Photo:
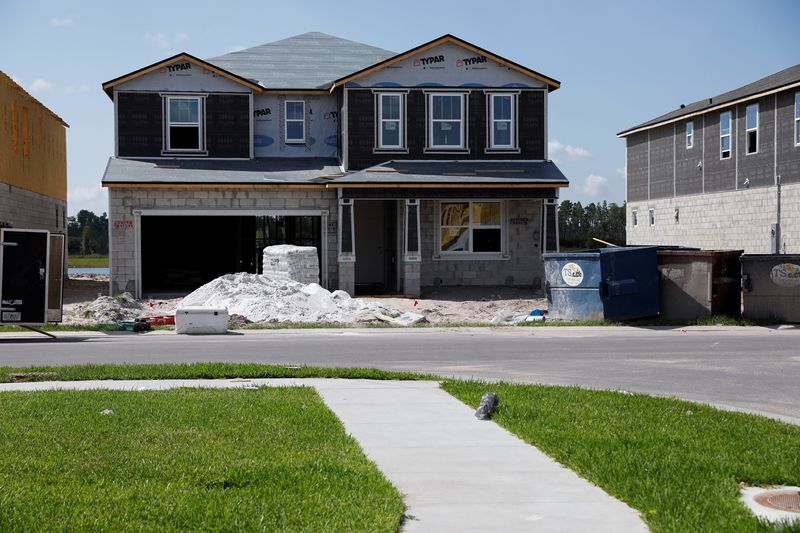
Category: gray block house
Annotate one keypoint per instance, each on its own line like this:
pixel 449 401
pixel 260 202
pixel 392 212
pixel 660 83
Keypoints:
pixel 405 170
pixel 720 173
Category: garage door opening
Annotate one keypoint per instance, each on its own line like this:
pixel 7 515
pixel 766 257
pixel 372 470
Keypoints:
pixel 181 253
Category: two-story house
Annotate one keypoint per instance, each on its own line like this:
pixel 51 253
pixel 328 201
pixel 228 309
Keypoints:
pixel 720 173
pixel 423 168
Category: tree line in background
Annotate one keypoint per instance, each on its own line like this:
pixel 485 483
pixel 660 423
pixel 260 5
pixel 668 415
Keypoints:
pixel 578 224
pixel 87 234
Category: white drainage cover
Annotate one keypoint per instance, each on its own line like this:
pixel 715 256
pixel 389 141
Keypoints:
pixel 775 504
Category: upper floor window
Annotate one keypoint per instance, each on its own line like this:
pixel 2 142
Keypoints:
pixel 751 127
pixel 390 121
pixel 446 121
pixel 797 119
pixel 689 134
pixel 184 124
pixel 725 135
pixel 295 120
pixel 501 121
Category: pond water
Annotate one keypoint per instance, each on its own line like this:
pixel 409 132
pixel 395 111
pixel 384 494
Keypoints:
pixel 86 271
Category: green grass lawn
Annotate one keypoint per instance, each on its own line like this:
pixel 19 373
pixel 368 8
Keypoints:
pixel 679 463
pixel 185 459
pixel 193 371
pixel 87 261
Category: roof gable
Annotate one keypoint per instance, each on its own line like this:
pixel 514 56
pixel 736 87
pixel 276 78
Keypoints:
pixel 307 61
pixel 418 57
pixel 176 64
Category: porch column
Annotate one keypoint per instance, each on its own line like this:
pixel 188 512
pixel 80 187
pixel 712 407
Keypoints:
pixel 412 250
pixel 347 247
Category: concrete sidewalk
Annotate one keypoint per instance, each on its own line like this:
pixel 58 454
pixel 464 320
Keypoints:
pixel 456 473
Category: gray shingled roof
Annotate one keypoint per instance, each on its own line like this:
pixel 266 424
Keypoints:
pixel 298 170
pixel 773 81
pixel 307 61
pixel 458 172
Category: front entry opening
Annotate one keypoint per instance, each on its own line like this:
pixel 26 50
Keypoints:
pixel 181 253
pixel 376 246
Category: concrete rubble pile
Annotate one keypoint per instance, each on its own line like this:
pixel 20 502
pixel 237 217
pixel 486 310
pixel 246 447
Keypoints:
pixel 271 298
pixel 106 309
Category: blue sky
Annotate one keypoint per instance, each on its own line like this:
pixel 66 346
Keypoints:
pixel 620 63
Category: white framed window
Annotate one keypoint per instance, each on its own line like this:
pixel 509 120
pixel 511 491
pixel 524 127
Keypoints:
pixel 725 135
pixel 391 128
pixel 502 121
pixel 295 121
pixel 635 217
pixel 690 134
pixel 652 213
pixel 446 121
pixel 184 128
pixel 751 128
pixel 470 227
pixel 797 119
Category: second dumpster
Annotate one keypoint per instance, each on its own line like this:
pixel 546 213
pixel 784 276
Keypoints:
pixel 606 284
pixel 699 283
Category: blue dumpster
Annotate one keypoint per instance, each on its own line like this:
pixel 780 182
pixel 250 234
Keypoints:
pixel 606 284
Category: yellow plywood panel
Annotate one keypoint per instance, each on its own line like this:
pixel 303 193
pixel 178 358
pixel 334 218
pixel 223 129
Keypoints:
pixel 33 143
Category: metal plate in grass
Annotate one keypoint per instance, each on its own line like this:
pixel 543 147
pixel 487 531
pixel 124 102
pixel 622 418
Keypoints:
pixel 776 504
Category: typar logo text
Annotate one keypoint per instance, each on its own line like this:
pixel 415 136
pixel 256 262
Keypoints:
pixel 572 274
pixel 428 61
pixel 470 61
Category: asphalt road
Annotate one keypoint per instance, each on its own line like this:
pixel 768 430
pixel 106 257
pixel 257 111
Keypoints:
pixel 751 369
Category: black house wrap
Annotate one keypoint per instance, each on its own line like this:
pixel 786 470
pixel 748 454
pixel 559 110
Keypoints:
pixel 362 152
pixel 140 124
pixel 228 125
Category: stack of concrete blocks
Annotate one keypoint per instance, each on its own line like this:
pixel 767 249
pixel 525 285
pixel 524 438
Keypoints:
pixel 299 263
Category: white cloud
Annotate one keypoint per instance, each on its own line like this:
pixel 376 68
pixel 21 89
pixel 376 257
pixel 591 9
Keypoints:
pixel 163 40
pixel 91 197
pixel 594 185
pixel 555 149
pixel 623 171
pixel 41 86
pixel 72 89
pixel 63 21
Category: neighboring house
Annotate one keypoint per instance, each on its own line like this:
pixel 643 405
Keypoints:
pixel 423 168
pixel 721 173
pixel 33 162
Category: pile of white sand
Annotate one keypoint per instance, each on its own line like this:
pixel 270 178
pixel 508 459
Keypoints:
pixel 278 299
pixel 105 309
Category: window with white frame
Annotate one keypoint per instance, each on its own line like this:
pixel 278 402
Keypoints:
pixel 502 121
pixel 446 121
pixel 295 119
pixel 751 128
pixel 689 134
pixel 184 124
pixel 725 135
pixel 471 227
pixel 391 133
pixel 797 119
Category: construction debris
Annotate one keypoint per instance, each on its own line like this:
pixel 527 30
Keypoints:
pixel 260 298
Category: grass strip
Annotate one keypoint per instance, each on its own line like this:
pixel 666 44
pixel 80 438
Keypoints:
pixel 183 460
pixel 679 463
pixel 87 261
pixel 193 371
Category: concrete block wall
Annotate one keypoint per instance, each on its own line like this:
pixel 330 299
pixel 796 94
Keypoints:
pixel 123 201
pixel 521 264
pixel 24 209
pixel 724 220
